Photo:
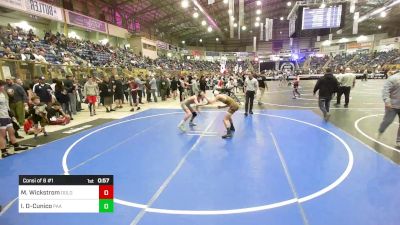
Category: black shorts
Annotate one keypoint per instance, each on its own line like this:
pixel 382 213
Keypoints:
pixel 119 96
pixel 5 123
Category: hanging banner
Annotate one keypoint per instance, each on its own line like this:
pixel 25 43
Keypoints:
pixel 36 8
pixel 355 23
pixel 162 45
pixel 86 22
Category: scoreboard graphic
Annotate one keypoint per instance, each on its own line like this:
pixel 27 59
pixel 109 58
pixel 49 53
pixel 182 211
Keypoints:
pixel 66 193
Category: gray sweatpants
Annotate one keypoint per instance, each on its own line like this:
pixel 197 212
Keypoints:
pixel 390 114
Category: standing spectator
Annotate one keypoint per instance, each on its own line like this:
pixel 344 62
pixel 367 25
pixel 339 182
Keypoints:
pixel 17 99
pixel 70 87
pixel 203 84
pixel 91 91
pixel 251 86
pixel 163 87
pixel 153 86
pixel 195 86
pixel 391 98
pixel 262 84
pixel 63 98
pixel 139 82
pixel 107 91
pixel 119 92
pixel 296 83
pixel 78 94
pixel 326 85
pixel 346 82
pixel 174 87
pixel 182 87
pixel 6 126
pixel 43 91
pixel 134 87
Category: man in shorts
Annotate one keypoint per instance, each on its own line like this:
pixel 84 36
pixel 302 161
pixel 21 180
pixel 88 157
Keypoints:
pixel 6 126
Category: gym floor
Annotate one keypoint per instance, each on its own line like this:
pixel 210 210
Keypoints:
pixel 284 165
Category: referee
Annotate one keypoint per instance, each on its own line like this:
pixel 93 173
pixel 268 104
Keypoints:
pixel 250 87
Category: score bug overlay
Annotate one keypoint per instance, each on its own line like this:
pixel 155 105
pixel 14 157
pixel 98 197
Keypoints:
pixel 66 193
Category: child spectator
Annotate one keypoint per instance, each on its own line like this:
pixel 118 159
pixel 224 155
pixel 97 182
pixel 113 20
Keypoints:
pixel 38 114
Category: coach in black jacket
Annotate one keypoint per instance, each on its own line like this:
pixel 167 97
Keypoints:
pixel 327 85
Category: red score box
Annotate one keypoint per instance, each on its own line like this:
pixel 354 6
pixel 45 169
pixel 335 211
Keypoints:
pixel 106 192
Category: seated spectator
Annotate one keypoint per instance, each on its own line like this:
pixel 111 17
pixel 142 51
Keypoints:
pixel 38 114
pixel 56 115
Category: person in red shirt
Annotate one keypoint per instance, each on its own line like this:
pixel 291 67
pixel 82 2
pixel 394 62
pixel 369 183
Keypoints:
pixel 134 87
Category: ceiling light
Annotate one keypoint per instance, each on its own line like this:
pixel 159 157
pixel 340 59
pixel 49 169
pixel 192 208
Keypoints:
pixel 244 27
pixel 230 11
pixel 217 39
pixel 281 18
pixel 235 25
pixel 209 29
pixel 280 32
pixel 201 40
pixel 323 5
pixel 258 11
pixel 380 27
pixel 226 1
pixel 256 24
pixel 203 23
pixel 257 18
pixel 183 42
pixel 185 4
pixel 258 2
pixel 232 18
pixel 289 4
pixel 195 15
pixel 383 14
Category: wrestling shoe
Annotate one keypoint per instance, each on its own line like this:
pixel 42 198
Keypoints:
pixel 182 127
pixel 192 124
pixel 227 136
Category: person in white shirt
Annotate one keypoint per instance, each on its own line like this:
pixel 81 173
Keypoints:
pixel 250 88
pixel 346 81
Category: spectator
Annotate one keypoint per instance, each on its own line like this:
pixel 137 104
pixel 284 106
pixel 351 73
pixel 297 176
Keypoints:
pixel 38 114
pixel 43 91
pixel 153 87
pixel 17 99
pixel 119 92
pixel 391 98
pixel 56 116
pixel 62 97
pixel 326 85
pixel 107 91
pixel 91 91
pixel 71 90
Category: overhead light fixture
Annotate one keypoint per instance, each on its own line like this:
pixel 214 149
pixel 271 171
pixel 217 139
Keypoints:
pixel 235 25
pixel 230 11
pixel 244 27
pixel 257 18
pixel 209 29
pixel 195 15
pixel 256 24
pixel 232 18
pixel 258 11
pixel 203 23
pixel 201 40
pixel 280 32
pixel 258 2
pixel 380 27
pixel 185 4
pixel 323 5
pixel 217 39
pixel 226 1
pixel 383 14
pixel 289 4
pixel 281 18
pixel 183 42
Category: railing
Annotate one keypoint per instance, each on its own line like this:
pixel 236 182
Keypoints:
pixel 28 70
